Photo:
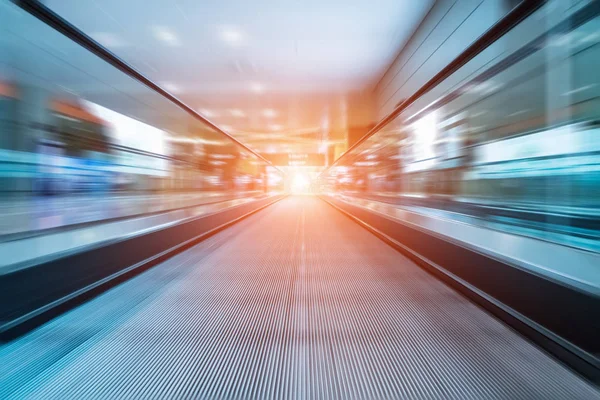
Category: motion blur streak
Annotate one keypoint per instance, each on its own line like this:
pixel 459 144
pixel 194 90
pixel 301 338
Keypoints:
pixel 288 313
pixel 512 138
pixel 60 148
pixel 300 199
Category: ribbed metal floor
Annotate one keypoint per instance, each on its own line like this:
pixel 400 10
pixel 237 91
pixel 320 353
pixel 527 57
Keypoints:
pixel 295 302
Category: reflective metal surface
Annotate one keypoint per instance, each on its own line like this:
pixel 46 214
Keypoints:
pixel 510 138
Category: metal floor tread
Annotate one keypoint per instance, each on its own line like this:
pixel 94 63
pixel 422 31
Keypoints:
pixel 296 301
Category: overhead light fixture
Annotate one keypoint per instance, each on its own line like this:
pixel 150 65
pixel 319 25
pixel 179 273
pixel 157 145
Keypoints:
pixel 257 87
pixel 207 113
pixel 166 36
pixel 171 87
pixel 108 39
pixel 237 113
pixel 231 35
pixel 269 113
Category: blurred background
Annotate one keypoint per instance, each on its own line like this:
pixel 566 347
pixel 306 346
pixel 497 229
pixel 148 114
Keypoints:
pixel 464 132
pixel 511 138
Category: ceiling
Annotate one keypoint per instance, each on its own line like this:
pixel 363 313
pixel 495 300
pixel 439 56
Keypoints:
pixel 280 75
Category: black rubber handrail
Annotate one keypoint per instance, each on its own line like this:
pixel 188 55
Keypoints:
pixel 55 21
pixel 499 29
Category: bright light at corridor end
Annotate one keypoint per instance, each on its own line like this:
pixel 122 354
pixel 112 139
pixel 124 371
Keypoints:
pixel 300 183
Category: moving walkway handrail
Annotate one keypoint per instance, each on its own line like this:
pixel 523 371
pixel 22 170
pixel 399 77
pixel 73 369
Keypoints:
pixel 52 19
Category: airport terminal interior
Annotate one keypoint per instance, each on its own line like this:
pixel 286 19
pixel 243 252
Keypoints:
pixel 300 199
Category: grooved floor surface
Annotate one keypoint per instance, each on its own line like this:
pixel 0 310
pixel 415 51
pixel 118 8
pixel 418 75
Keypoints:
pixel 296 301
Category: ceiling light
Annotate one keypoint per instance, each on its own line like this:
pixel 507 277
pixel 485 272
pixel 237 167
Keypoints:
pixel 171 87
pixel 269 113
pixel 165 35
pixel 231 35
pixel 108 39
pixel 237 113
pixel 257 87
pixel 207 113
pixel 275 127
